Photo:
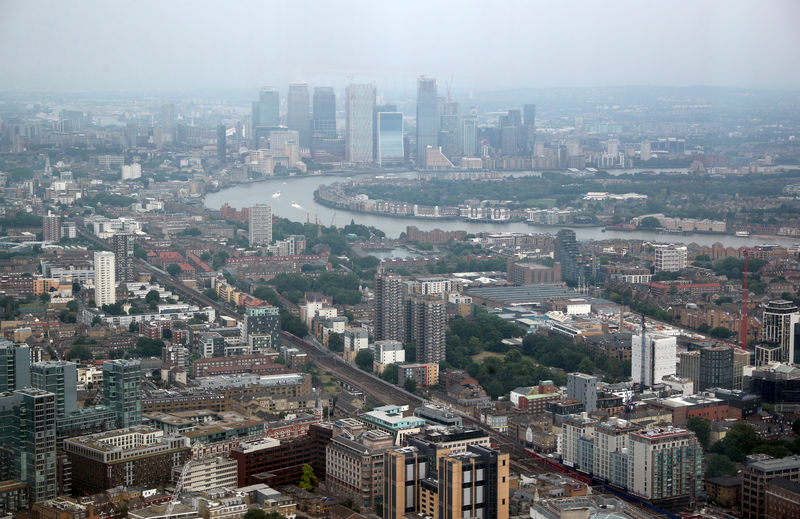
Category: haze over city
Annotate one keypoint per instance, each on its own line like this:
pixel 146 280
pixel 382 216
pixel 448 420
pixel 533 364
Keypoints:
pixel 149 45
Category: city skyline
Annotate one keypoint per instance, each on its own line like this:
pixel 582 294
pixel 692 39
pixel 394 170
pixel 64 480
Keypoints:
pixel 706 43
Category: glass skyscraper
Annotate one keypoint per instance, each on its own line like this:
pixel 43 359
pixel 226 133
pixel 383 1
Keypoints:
pixel 324 113
pixel 390 138
pixel 360 107
pixel 298 116
pixel 427 117
pixel 61 379
pixel 122 390
pixel 265 113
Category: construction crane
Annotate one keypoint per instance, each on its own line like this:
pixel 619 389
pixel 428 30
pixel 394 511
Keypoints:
pixel 178 487
pixel 333 218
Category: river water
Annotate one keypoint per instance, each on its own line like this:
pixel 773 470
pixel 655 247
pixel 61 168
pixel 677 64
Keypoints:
pixel 296 203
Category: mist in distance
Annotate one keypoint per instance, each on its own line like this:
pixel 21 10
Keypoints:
pixel 149 45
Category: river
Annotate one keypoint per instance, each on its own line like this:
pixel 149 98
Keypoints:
pixel 296 203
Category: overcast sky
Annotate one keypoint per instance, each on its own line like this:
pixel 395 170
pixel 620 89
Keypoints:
pixel 168 44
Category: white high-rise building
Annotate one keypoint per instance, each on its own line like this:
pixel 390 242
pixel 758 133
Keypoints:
pixel 359 132
pixel 655 361
pixel 780 320
pixel 105 278
pixel 132 172
pixel 644 151
pixel 670 258
pixel 260 225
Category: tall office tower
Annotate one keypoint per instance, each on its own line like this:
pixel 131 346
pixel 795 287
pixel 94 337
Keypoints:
pixel 222 146
pixel 389 137
pixel 778 328
pixel 122 390
pixel 262 327
pixel 584 388
pixel 34 425
pixel 529 126
pixel 15 366
pixel 123 244
pixel 51 228
pixel 298 117
pixel 469 135
pixel 716 368
pixel 265 114
pixel 358 136
pixel 566 253
pixel 105 279
pixel 426 321
pixel 670 258
pixel 324 112
pixel 654 361
pixel 644 151
pixel 450 136
pixel 260 224
pixel 389 314
pixel 427 117
pixel 61 379
pixel 666 466
pixel 378 109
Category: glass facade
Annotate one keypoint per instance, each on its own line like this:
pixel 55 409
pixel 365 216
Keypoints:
pixel 390 137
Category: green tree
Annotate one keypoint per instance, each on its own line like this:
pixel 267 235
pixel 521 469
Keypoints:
pixel 650 222
pixel 586 366
pixel 133 327
pixel 153 296
pixel 79 352
pixel 174 269
pixel 308 481
pixel 720 332
pixel 796 426
pixel 701 427
pixel 720 465
pixel 390 373
pixel 146 347
pixel 255 513
pixel 336 342
pixel 410 385
pixel 364 360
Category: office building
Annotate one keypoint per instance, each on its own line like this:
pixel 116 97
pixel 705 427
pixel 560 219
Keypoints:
pixel 654 360
pixel 132 456
pixel 324 119
pixel 105 278
pixel 665 467
pixel 670 258
pixel 469 135
pixel 222 146
pixel 260 224
pixel 386 353
pixel 265 114
pixel 779 327
pixel 690 366
pixel 15 366
pixel 298 116
pixel 123 245
pixel 426 321
pixel 51 228
pixel 450 135
pixel 389 138
pixel 262 327
pixel 422 374
pixel 122 390
pixel 584 388
pixel 388 108
pixel 354 465
pixel 355 340
pixel 427 117
pixel 360 103
pixel 529 127
pixel 759 470
pixel 61 379
pixel 716 368
pixel 782 499
pixel 389 314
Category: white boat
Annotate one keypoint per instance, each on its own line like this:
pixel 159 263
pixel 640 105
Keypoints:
pixel 276 194
pixel 742 234
pixel 296 205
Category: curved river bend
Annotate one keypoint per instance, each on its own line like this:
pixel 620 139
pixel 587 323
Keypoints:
pixel 296 202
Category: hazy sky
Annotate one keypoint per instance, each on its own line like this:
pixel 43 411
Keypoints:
pixel 168 44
